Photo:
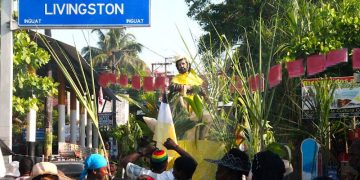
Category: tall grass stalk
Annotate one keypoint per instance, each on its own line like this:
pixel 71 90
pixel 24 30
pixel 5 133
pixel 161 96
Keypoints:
pixel 251 110
pixel 85 92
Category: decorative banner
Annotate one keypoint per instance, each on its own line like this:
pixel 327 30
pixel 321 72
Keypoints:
pixel 256 83
pixel 238 85
pixel 346 98
pixel 148 83
pixel 295 68
pixel 160 82
pixel 106 78
pixel 336 56
pixel 356 58
pixel 135 82
pixel 315 64
pixel 103 79
pixel 275 75
pixel 123 80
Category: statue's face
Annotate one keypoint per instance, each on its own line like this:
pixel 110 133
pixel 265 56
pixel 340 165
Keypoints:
pixel 182 66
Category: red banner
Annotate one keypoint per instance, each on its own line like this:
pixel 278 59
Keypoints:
pixel 336 57
pixel 256 83
pixel 149 83
pixel 237 85
pixel 123 80
pixel 295 68
pixel 160 82
pixel 135 82
pixel 275 75
pixel 315 64
pixel 356 58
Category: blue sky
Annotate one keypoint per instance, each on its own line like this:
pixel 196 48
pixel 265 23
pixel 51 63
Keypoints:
pixel 162 37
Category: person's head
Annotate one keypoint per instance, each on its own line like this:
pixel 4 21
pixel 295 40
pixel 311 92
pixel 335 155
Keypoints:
pixel 354 155
pixel 267 166
pixel 184 168
pixel 234 164
pixel 45 171
pixel 158 161
pixel 25 166
pixel 95 167
pixel 182 64
pixel 113 168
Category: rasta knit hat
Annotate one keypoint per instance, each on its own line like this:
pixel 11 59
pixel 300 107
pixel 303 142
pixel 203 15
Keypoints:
pixel 159 156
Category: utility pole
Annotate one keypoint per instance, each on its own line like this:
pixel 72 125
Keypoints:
pixel 165 64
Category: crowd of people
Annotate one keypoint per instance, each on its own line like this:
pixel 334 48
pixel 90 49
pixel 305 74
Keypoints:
pixel 234 165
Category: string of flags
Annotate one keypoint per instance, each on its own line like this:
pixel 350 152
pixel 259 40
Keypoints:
pixel 314 64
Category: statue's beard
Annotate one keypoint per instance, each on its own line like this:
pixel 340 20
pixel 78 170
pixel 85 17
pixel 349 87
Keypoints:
pixel 182 70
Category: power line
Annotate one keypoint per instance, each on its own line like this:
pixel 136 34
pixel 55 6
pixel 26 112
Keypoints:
pixel 153 51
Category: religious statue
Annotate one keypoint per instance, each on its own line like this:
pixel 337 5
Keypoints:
pixel 187 82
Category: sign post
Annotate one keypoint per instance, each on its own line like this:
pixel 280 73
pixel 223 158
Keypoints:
pixel 83 14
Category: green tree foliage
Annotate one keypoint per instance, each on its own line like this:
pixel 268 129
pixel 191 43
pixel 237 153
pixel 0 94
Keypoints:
pixel 117 50
pixel 232 18
pixel 304 27
pixel 28 87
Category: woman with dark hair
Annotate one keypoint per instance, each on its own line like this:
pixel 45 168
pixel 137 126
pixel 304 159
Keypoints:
pixel 267 165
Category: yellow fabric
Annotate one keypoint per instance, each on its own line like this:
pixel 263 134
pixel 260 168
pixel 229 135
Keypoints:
pixel 162 132
pixel 189 78
pixel 200 150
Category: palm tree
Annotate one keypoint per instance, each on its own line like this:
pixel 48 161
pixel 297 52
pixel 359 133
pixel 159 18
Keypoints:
pixel 115 49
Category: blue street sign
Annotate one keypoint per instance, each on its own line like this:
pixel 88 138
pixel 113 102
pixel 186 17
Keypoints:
pixel 40 135
pixel 83 14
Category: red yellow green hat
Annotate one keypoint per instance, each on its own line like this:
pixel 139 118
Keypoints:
pixel 159 156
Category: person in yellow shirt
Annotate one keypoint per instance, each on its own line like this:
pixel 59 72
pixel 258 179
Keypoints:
pixel 187 82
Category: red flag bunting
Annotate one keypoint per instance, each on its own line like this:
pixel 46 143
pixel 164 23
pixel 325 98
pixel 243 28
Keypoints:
pixel 148 83
pixel 160 82
pixel 315 64
pixel 356 58
pixel 275 75
pixel 123 80
pixel 237 85
pixel 256 83
pixel 336 56
pixel 135 82
pixel 102 80
pixel 295 68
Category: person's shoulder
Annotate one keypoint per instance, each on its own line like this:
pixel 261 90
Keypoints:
pixel 166 175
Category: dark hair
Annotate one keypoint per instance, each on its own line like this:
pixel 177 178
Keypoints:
pixel 25 166
pixel 188 64
pixel 186 166
pixel 267 166
pixel 158 166
pixel 53 177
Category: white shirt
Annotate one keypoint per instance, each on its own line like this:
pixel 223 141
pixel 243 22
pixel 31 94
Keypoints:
pixel 133 171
